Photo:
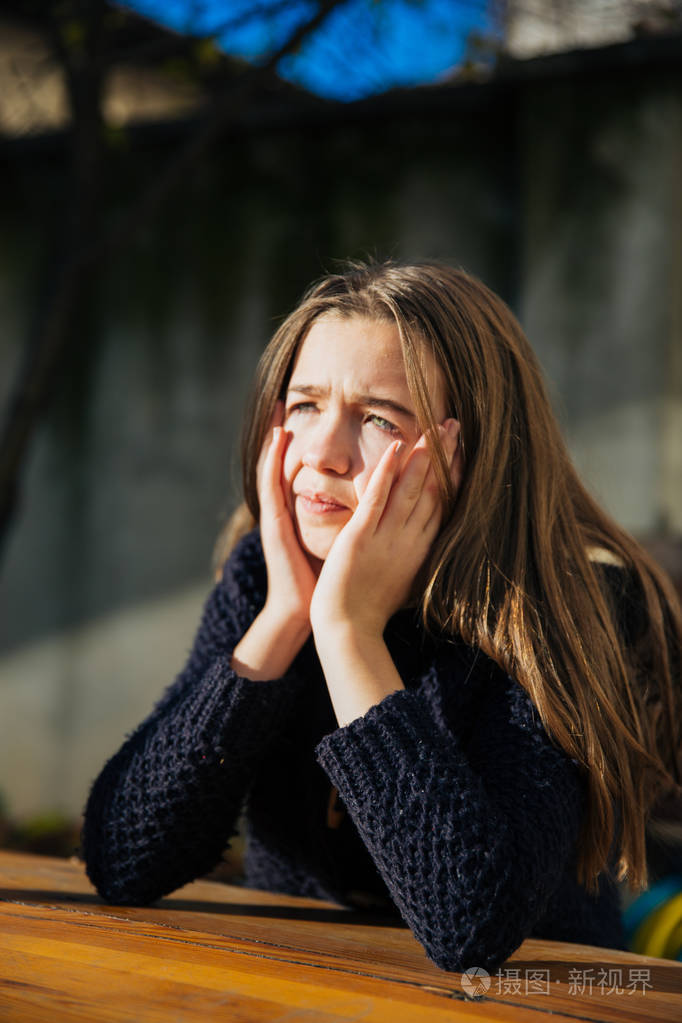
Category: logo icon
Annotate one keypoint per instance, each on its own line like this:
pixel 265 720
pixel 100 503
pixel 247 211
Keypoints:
pixel 475 981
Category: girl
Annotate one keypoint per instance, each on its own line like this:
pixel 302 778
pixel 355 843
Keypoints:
pixel 442 680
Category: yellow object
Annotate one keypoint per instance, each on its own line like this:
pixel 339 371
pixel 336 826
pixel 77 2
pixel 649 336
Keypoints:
pixel 673 945
pixel 656 930
pixel 641 936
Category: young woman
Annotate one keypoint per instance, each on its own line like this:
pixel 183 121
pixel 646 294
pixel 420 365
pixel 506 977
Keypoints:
pixel 440 679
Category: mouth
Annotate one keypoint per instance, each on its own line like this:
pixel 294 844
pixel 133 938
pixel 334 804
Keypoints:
pixel 320 504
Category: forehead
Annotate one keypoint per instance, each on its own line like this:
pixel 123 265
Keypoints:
pixel 365 356
pixel 368 345
pixel 353 345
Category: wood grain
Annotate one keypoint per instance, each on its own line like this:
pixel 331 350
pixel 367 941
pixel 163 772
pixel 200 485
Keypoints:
pixel 212 951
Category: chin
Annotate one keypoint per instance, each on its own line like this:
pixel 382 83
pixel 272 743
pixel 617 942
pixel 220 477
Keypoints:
pixel 317 542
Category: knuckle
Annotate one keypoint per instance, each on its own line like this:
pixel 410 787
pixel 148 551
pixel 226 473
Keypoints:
pixel 413 490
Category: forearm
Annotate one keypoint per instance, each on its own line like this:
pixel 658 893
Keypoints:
pixel 451 838
pixel 268 648
pixel 164 807
pixel 358 669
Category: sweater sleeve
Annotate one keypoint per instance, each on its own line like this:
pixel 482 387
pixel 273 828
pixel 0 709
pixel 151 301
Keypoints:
pixel 471 832
pixel 163 808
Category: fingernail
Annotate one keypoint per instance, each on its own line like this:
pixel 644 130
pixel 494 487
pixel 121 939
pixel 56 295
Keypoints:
pixel 398 450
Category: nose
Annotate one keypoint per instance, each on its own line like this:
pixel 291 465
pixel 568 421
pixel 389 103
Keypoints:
pixel 329 448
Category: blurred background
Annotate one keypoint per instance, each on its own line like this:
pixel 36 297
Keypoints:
pixel 173 175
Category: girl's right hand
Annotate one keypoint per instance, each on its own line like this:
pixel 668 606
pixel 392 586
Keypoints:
pixel 291 580
pixel 276 635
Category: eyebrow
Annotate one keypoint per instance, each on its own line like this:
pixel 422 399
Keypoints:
pixel 313 391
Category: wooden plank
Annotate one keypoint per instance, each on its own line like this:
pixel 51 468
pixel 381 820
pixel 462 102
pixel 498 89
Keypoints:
pixel 259 981
pixel 184 956
pixel 211 949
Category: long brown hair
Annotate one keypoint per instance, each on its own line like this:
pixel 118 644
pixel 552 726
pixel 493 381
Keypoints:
pixel 515 569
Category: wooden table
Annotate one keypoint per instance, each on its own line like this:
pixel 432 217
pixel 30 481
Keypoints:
pixel 214 952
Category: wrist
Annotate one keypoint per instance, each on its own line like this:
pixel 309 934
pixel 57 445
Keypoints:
pixel 346 634
pixel 358 669
pixel 364 617
pixel 283 621
pixel 267 649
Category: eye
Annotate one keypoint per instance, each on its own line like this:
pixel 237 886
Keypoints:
pixel 301 406
pixel 383 424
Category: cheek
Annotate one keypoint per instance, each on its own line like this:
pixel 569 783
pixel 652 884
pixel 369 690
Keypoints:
pixel 297 446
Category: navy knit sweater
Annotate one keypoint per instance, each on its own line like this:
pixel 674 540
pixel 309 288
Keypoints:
pixel 455 810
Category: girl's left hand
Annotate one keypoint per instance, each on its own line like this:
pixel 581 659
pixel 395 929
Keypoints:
pixel 371 566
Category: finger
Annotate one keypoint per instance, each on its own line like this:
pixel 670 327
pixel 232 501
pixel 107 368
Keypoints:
pixel 447 439
pixel 419 494
pixel 420 511
pixel 455 452
pixel 410 485
pixel 376 495
pixel 428 512
pixel 276 419
pixel 444 446
pixel 429 515
pixel 449 433
pixel 270 493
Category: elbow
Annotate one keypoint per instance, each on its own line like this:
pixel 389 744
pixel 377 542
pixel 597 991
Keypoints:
pixel 481 931
pixel 121 889
pixel 120 881
pixel 475 951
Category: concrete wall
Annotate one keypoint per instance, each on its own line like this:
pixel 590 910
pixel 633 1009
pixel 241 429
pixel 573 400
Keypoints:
pixel 602 273
pixel 564 199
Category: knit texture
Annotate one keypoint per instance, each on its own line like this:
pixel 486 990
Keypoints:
pixel 462 817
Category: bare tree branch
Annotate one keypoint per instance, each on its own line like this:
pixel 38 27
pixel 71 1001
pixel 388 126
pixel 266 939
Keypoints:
pixel 51 336
pixel 172 43
pixel 212 126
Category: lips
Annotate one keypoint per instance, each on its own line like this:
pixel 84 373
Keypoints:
pixel 320 503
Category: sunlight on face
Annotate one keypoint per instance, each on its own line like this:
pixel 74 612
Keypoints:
pixel 347 401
